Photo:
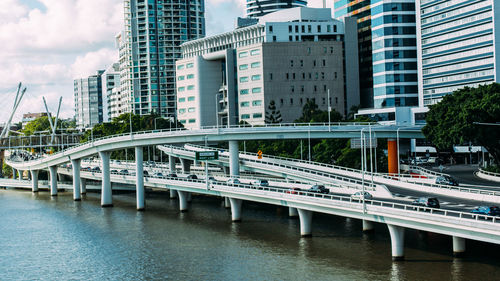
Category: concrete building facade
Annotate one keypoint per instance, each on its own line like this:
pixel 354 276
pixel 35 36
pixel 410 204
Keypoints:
pixel 110 80
pixel 290 57
pixel 88 101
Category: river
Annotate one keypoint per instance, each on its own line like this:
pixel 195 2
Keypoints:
pixel 56 238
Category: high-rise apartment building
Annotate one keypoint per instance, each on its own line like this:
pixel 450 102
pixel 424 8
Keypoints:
pixel 290 57
pixel 110 80
pixel 149 47
pixel 458 46
pixel 88 100
pixel 259 8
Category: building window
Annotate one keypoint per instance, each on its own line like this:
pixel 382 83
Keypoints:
pixel 255 52
pixel 182 99
pixel 292 88
pixel 189 65
pixel 191 98
pixel 331 50
pixel 244 79
pixel 281 101
pixel 182 110
pixel 319 28
pixel 324 88
pixel 322 75
pixel 303 75
pixel 243 66
pixel 181 89
pixel 308 50
pixel 336 100
pixel 243 54
pixel 302 88
pixel 180 66
pixel 290 38
pixel 291 101
pixel 244 92
pixel 270 76
pixel 245 104
pixel 255 77
pixel 291 63
pixel 290 28
pixel 296 38
pixel 335 73
pixel 324 100
pixel 314 63
pixel 324 62
pixel 256 90
pixel 287 76
pixel 316 76
pixel 182 121
pixel 257 115
pixel 301 101
pixel 192 121
pixel 301 63
pixel 256 102
pixel 190 87
pixel 255 64
pixel 245 116
pixel 274 38
pixel 303 28
pixel 270 29
pixel 315 88
pixel 296 29
pixel 190 76
pixel 334 28
pixel 180 78
pixel 293 76
pixel 328 29
pixel 191 109
pixel 309 28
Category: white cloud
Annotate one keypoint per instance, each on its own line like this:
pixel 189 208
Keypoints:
pixel 89 63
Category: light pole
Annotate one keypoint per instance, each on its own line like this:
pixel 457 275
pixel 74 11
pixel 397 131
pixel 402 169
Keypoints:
pixel 130 121
pixel 217 110
pixel 397 149
pixel 329 110
pixel 362 167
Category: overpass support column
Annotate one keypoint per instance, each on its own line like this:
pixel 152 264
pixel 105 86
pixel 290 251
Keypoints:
pixel 171 164
pixel 75 164
pixel 234 161
pixel 183 203
pixel 20 174
pixel 14 173
pixel 235 209
pixel 227 203
pixel 367 226
pixel 34 180
pixel 458 246
pixel 83 183
pixel 139 182
pixel 397 241
pixel 106 193
pixel 292 212
pixel 305 217
pixel 53 180
pixel 173 193
pixel 186 166
pixel 392 156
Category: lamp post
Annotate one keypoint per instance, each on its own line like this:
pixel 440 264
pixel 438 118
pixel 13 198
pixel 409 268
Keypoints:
pixel 361 139
pixel 397 148
pixel 329 110
pixel 217 110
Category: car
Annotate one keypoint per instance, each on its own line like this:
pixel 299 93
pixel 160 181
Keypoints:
pixel 86 169
pixel 124 172
pixel 158 175
pixel 260 182
pixel 114 171
pixel 446 180
pixel 171 175
pixel 431 202
pixel 233 181
pixel 96 169
pixel 145 173
pixel 212 179
pixel 487 210
pixel 151 163
pixel 294 190
pixel 359 196
pixel 319 189
pixel 192 177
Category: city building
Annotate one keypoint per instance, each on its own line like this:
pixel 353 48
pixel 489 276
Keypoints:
pixel 258 8
pixel 110 80
pixel 149 47
pixel 288 58
pixel 88 101
pixel 28 117
pixel 456 46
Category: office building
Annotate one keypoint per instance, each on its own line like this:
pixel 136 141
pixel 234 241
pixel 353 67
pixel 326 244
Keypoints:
pixel 456 46
pixel 88 100
pixel 110 80
pixel 289 57
pixel 258 8
pixel 149 47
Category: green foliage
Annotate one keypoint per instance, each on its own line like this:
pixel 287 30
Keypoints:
pixel 6 171
pixel 273 116
pixel 492 169
pixel 451 121
pixel 43 124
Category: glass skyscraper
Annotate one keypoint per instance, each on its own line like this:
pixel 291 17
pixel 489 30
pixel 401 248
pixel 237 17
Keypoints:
pixel 149 47
pixel 457 45
pixel 258 8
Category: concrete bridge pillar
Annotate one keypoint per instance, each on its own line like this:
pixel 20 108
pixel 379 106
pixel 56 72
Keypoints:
pixel 106 193
pixel 292 212
pixel 225 170
pixel 186 166
pixel 83 184
pixel 189 197
pixel 458 246
pixel 183 203
pixel 227 204
pixel 34 180
pixel 234 161
pixel 367 226
pixel 14 173
pixel 173 193
pixel 53 180
pixel 75 163
pixel 139 172
pixel 392 156
pixel 397 242
pixel 305 217
pixel 235 209
pixel 171 164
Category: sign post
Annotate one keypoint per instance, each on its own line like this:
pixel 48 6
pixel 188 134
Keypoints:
pixel 206 155
pixel 259 154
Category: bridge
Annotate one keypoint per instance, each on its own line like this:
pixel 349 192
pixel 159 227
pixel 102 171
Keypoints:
pixel 397 215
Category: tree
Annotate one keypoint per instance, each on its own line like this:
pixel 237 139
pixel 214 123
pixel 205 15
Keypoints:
pixel 273 116
pixel 452 121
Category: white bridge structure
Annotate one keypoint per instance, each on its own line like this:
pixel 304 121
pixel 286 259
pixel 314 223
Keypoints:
pixel 397 216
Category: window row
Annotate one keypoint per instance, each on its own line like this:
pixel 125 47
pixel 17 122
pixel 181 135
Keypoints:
pixel 188 65
pixel 317 75
pixel 181 77
pixel 183 99
pixel 252 65
pixel 190 121
pixel 182 89
pixel 183 110
pixel 254 91
pixel 247 103
pixel 252 53
pixel 255 116
pixel 253 77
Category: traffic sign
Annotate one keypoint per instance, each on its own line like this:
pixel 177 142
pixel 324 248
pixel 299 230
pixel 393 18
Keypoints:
pixel 259 154
pixel 207 155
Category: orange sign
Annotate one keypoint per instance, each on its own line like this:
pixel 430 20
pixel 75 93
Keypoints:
pixel 259 154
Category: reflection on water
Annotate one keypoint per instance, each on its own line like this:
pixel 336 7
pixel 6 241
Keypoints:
pixel 52 238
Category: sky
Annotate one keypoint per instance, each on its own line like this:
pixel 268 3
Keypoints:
pixel 46 44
